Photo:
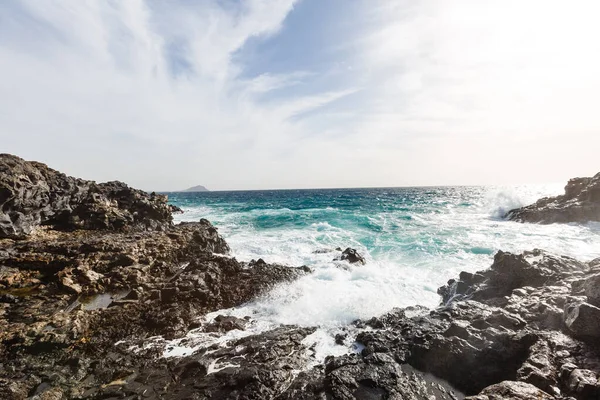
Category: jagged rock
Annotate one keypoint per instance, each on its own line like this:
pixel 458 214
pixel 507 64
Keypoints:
pixel 584 383
pixel 509 390
pixel 224 323
pixel 511 271
pixel 583 319
pixel 377 377
pixel 32 195
pixel 175 210
pixel 580 203
pixel 498 335
pixel 591 287
pixel 97 241
pixel 352 256
pixel 255 367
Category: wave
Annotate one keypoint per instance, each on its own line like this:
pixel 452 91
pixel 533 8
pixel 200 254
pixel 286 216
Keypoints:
pixel 414 240
pixel 499 201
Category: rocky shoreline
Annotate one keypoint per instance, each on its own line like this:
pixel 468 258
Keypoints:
pixel 579 204
pixel 91 274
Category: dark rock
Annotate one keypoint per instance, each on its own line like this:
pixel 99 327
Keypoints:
pixel 509 390
pixel 57 332
pixel 175 210
pixel 340 338
pixel 591 287
pixel 498 335
pixel 511 271
pixel 526 328
pixel 352 256
pixel 225 324
pixel 584 383
pixel 580 203
pixel 583 320
pixel 168 295
pixel 32 195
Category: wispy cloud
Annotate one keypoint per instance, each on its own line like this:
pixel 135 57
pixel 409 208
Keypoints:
pixel 162 95
pixel 489 90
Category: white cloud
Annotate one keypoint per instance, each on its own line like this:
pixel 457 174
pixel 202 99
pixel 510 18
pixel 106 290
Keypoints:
pixel 433 92
pixel 491 90
pixel 96 93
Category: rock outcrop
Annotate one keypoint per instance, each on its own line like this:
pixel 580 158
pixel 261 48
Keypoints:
pixel 580 203
pixel 33 195
pixel 509 332
pixel 87 270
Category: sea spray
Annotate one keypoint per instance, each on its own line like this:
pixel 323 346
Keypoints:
pixel 414 240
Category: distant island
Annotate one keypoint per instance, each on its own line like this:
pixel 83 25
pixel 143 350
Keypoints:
pixel 198 188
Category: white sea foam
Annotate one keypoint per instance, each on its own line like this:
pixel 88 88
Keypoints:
pixel 410 253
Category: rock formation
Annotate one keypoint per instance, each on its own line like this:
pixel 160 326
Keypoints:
pixel 580 203
pixel 352 256
pixel 33 195
pixel 84 266
pixel 503 333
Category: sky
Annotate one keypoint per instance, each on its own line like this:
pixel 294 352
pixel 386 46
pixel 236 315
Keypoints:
pixel 257 94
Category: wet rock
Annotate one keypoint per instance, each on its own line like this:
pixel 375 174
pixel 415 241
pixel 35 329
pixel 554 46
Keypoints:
pixel 378 377
pixel 109 274
pixel 352 256
pixel 224 323
pixel 175 210
pixel 258 366
pixel 340 338
pixel 497 335
pixel 580 203
pixel 509 271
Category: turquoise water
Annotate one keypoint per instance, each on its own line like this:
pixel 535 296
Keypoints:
pixel 414 240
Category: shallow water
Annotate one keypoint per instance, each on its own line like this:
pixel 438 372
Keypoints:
pixel 414 240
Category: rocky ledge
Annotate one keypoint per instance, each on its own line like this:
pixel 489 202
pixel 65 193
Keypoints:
pixel 580 203
pixel 86 266
pixel 86 310
pixel 526 328
pixel 33 195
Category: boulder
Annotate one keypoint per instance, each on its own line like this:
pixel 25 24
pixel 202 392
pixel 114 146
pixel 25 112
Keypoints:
pixel 583 320
pixel 352 256
pixel 591 287
pixel 584 383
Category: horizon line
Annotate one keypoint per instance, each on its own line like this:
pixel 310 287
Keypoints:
pixel 352 188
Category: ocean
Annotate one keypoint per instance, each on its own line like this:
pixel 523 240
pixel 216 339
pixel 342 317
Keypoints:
pixel 414 240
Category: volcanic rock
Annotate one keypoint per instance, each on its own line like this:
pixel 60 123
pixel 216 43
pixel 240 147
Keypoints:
pixel 352 256
pixel 32 195
pixel 580 203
